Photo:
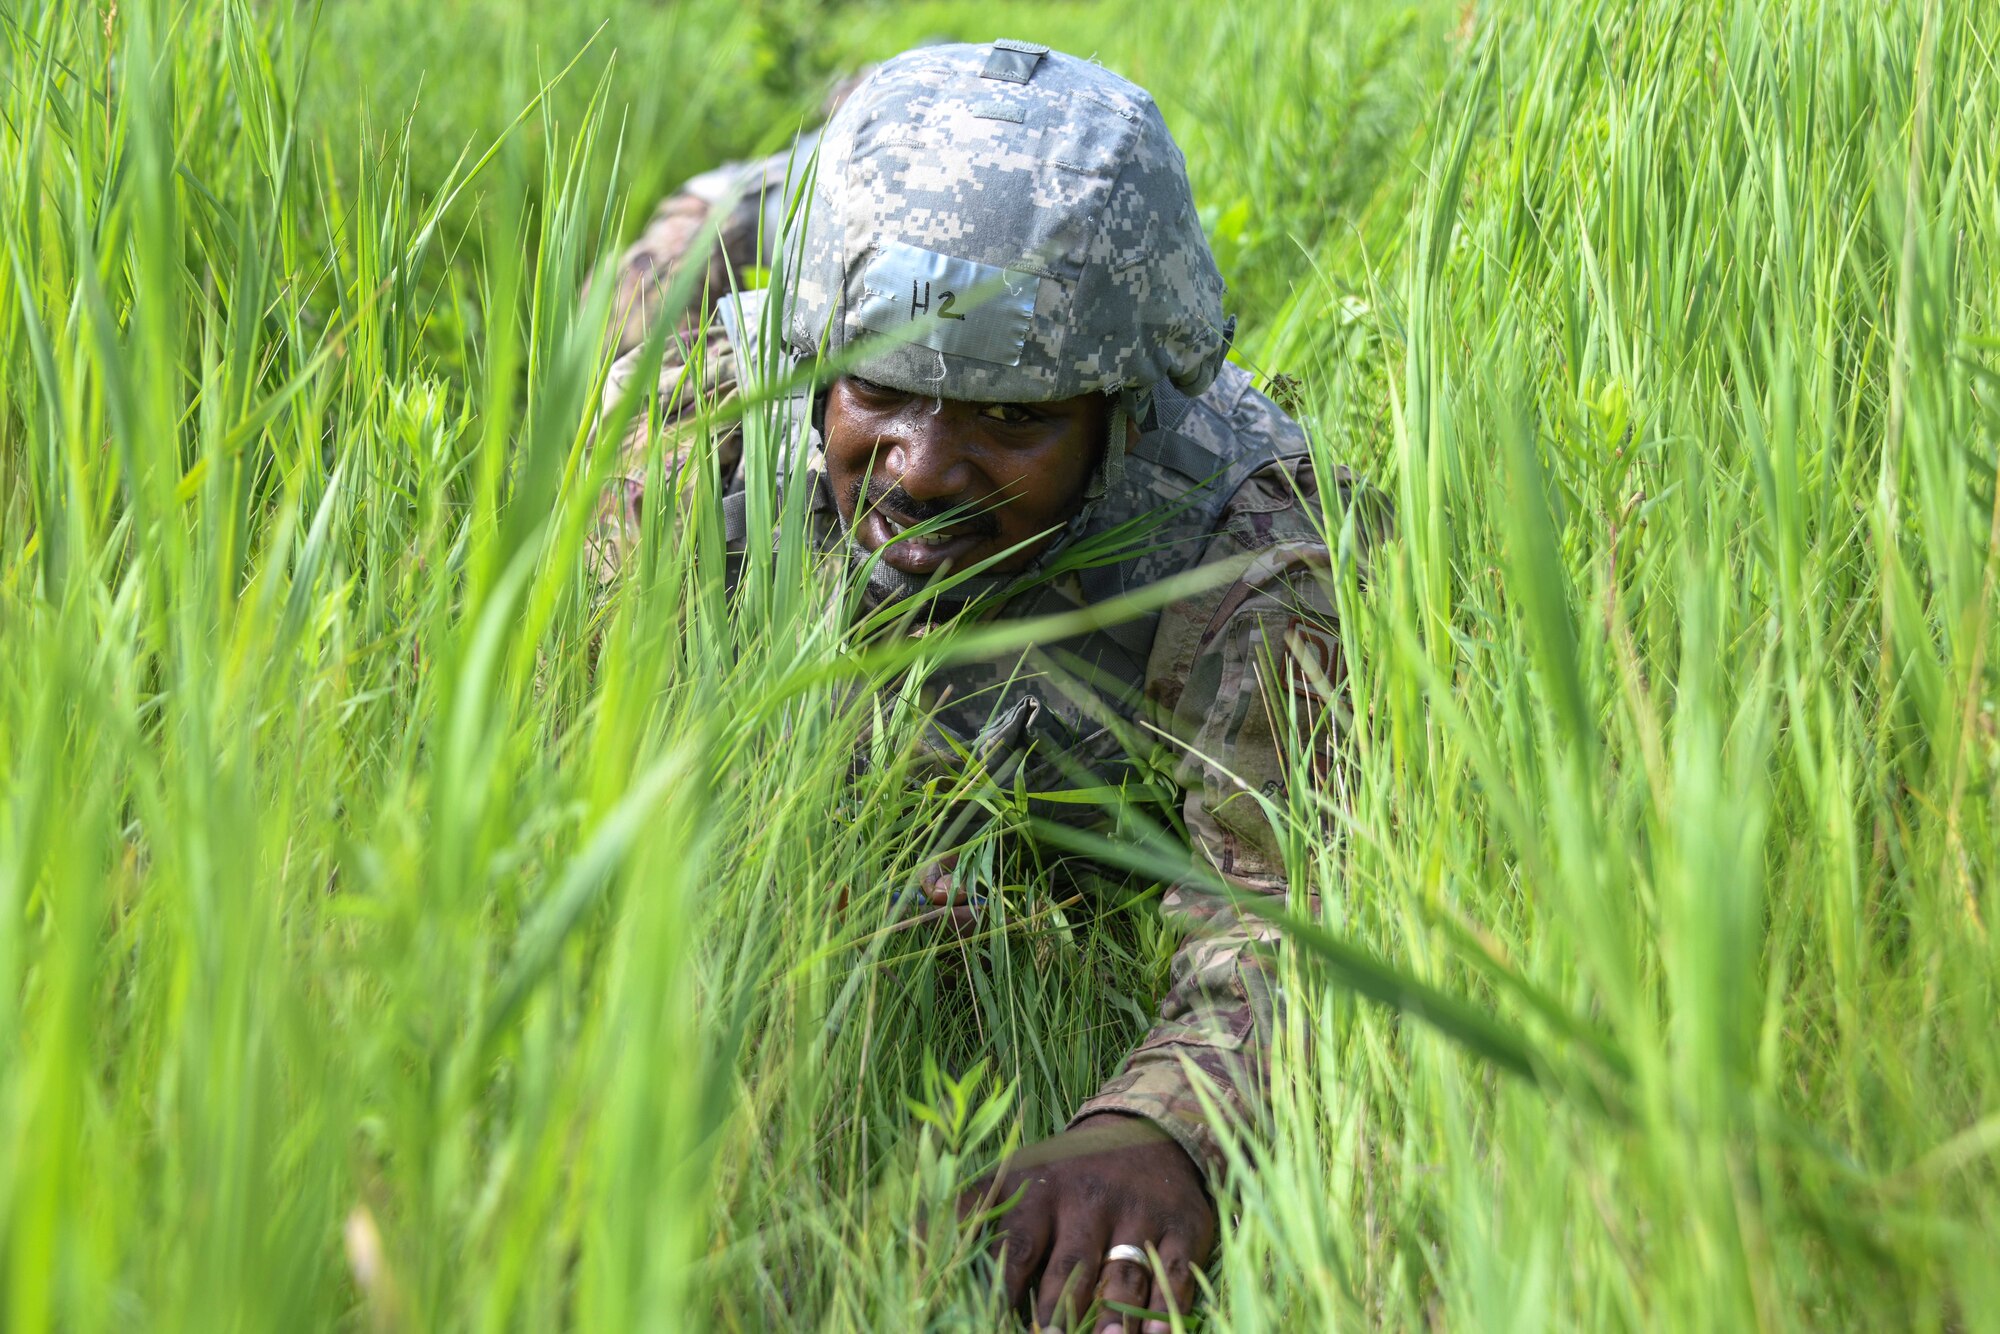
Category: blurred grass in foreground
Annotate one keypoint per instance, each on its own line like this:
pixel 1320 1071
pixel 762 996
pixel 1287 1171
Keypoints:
pixel 392 936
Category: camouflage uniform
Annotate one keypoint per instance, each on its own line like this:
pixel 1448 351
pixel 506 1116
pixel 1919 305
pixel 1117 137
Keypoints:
pixel 750 193
pixel 1241 672
pixel 750 198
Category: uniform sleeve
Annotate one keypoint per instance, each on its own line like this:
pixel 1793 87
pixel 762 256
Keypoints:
pixel 699 369
pixel 674 238
pixel 696 376
pixel 1256 678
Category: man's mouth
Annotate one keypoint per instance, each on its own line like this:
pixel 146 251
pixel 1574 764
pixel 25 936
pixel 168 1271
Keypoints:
pixel 911 552
pixel 887 520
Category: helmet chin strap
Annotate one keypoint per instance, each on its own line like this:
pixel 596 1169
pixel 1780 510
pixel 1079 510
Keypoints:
pixel 1128 406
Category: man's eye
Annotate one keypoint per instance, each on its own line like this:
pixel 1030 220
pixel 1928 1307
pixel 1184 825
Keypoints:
pixel 871 389
pixel 1009 414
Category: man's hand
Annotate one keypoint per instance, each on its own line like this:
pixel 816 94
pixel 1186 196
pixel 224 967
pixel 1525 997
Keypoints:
pixel 939 884
pixel 1110 1180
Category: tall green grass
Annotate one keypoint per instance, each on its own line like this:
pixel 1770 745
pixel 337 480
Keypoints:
pixel 398 930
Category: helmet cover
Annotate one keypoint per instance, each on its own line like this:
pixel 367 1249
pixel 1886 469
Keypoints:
pixel 1005 223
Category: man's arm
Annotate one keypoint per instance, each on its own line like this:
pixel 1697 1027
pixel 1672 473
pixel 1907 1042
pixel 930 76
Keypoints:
pixel 743 240
pixel 692 379
pixel 752 197
pixel 1251 676
pixel 1261 700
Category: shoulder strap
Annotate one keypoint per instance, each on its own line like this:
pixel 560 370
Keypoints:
pixel 736 521
pixel 741 315
pixel 1194 460
pixel 1182 454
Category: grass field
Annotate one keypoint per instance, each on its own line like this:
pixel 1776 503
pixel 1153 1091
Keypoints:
pixel 394 935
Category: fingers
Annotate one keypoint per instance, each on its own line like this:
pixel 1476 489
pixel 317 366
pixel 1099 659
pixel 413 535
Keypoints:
pixel 952 906
pixel 1072 1196
pixel 1069 1275
pixel 1021 1255
pixel 937 882
pixel 1125 1283
pixel 1021 1239
pixel 1023 1242
pixel 1177 1294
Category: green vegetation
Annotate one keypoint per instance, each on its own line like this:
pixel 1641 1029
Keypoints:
pixel 395 935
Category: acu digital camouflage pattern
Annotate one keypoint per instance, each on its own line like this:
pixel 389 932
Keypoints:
pixel 1241 673
pixel 1025 160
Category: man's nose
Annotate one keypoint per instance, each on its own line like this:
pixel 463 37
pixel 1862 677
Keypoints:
pixel 922 453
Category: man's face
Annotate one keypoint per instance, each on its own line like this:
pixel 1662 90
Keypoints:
pixel 1013 471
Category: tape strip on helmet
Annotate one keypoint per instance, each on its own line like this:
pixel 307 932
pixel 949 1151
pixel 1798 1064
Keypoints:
pixel 955 306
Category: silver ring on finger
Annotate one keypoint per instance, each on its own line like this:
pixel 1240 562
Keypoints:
pixel 1124 1251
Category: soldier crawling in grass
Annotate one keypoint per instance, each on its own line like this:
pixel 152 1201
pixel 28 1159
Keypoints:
pixel 1081 391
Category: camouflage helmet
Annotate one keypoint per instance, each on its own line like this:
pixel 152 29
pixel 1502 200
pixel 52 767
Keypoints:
pixel 1015 224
